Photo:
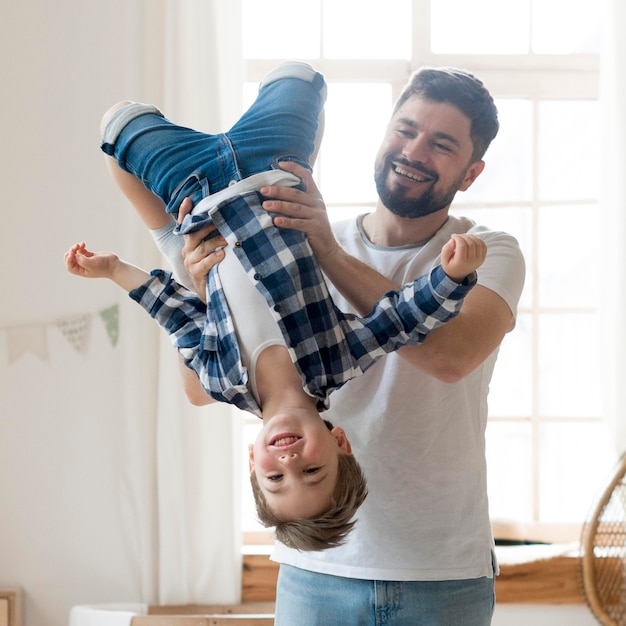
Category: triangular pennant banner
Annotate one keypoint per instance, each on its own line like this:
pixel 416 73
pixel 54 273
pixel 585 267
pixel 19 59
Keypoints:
pixel 22 339
pixel 111 319
pixel 75 330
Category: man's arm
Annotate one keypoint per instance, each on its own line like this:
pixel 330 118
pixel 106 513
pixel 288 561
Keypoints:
pixel 454 350
pixel 450 352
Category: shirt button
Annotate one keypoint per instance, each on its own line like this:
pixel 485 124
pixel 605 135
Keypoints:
pixel 257 277
pixel 238 244
pixel 277 307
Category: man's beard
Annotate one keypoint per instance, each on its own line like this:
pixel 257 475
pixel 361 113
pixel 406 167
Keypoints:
pixel 399 204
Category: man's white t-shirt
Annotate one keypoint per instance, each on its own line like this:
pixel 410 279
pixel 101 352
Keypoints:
pixel 420 441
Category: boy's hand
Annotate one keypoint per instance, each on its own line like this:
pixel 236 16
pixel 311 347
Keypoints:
pixel 82 262
pixel 461 255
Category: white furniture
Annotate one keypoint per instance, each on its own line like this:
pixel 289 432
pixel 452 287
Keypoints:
pixel 106 614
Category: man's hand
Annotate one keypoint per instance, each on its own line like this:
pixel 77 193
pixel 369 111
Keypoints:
pixel 461 255
pixel 200 254
pixel 302 210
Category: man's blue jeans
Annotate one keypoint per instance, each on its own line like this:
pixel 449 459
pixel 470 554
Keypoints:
pixel 175 162
pixel 309 599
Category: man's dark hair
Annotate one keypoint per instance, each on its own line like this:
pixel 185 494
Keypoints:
pixel 462 90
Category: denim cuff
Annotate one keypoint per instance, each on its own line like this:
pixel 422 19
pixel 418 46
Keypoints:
pixel 297 69
pixel 120 119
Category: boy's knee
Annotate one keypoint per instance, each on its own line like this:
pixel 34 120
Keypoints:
pixel 118 116
pixel 106 118
pixel 296 69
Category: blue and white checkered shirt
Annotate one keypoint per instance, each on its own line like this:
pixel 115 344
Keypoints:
pixel 328 347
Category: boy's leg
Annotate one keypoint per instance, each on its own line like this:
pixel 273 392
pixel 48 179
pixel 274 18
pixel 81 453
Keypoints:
pixel 284 122
pixel 174 162
pixel 170 161
pixel 150 208
pixel 157 163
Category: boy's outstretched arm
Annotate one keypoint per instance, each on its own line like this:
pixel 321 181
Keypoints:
pixel 462 255
pixel 82 262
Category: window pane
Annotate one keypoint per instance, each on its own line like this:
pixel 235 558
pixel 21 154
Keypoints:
pixel 367 29
pixel 343 212
pixel 569 155
pixel 510 391
pixel 573 463
pixel 352 136
pixel 480 27
pixel 507 176
pixel 569 376
pixel 516 221
pixel 562 277
pixel 582 34
pixel 274 29
pixel 509 475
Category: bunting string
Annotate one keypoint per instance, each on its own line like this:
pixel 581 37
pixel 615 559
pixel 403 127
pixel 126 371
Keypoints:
pixel 76 329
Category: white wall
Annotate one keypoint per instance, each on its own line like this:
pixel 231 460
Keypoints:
pixel 63 503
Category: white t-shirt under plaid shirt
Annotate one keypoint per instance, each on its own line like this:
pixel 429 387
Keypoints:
pixel 328 347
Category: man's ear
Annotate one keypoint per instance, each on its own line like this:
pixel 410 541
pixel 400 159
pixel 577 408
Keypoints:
pixel 342 440
pixel 472 173
pixel 251 457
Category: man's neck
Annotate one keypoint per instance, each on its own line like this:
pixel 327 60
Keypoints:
pixel 385 229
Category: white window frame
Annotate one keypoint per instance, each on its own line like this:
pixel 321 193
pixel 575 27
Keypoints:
pixel 532 76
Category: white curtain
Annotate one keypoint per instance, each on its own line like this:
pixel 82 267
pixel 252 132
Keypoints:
pixel 112 488
pixel 612 291
pixel 192 66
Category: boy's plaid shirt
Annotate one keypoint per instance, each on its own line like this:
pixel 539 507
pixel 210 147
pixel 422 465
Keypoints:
pixel 328 347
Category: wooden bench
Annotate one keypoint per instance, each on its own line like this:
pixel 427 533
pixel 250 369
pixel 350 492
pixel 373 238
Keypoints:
pixel 245 614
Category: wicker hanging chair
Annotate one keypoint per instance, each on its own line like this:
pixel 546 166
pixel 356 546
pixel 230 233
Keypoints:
pixel 603 547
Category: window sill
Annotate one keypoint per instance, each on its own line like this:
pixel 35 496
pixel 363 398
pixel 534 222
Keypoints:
pixel 539 574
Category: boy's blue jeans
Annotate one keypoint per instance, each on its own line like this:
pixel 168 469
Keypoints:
pixel 174 162
pixel 310 599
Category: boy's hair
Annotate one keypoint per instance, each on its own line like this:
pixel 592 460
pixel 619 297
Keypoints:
pixel 464 91
pixel 328 530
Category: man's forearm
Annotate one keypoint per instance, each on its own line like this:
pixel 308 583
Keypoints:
pixel 450 352
pixel 361 285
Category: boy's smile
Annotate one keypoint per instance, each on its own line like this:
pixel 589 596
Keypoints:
pixel 295 458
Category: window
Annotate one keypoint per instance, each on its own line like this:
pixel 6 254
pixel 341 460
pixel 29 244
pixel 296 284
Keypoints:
pixel 541 181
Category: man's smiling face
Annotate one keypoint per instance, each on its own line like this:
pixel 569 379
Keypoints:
pixel 425 158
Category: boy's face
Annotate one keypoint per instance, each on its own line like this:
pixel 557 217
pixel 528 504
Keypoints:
pixel 295 458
